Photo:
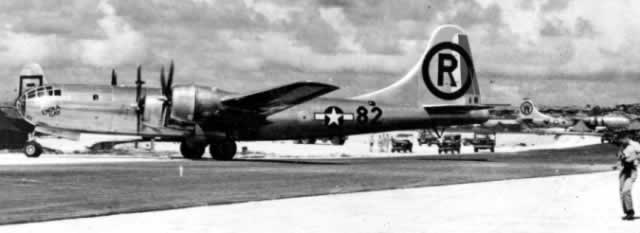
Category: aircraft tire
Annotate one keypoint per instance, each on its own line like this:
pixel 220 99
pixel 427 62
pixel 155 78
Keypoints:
pixel 32 149
pixel 191 152
pixel 308 141
pixel 224 151
pixel 338 141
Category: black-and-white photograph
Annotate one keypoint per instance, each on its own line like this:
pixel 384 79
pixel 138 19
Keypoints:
pixel 319 116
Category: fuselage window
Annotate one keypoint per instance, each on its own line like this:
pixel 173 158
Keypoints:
pixel 40 93
pixel 96 97
pixel 57 93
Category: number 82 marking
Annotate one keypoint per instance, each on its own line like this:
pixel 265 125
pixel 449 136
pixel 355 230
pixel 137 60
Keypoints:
pixel 362 115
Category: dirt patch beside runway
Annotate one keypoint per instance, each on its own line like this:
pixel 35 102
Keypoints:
pixel 48 192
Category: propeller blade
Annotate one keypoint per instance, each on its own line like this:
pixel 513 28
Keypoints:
pixel 163 82
pixel 139 101
pixel 114 78
pixel 170 82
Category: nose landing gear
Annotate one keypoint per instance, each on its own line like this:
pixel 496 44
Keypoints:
pixel 32 149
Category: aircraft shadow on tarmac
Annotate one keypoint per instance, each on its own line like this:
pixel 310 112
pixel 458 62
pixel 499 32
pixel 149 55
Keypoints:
pixel 461 159
pixel 284 161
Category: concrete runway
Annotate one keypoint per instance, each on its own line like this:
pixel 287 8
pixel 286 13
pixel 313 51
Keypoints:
pixel 573 203
pixel 56 191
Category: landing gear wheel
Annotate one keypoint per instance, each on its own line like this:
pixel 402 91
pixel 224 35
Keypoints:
pixel 308 141
pixel 224 150
pixel 338 141
pixel 191 151
pixel 32 149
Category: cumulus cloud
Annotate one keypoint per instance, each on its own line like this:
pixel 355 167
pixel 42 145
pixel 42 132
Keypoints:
pixel 20 48
pixel 121 44
pixel 358 44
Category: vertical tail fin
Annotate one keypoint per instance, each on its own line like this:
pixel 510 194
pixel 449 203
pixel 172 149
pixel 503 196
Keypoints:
pixel 528 110
pixel 444 75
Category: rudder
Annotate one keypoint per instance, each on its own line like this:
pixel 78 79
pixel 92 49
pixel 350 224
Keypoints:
pixel 445 74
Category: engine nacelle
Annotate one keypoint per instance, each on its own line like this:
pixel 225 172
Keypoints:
pixel 190 102
pixel 541 122
pixel 154 111
pixel 609 121
pixel 183 106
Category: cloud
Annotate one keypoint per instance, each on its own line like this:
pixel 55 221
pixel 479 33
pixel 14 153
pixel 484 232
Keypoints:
pixel 554 28
pixel 122 44
pixel 555 5
pixel 20 48
pixel 360 45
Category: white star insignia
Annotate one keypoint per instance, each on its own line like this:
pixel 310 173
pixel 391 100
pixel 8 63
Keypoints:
pixel 334 117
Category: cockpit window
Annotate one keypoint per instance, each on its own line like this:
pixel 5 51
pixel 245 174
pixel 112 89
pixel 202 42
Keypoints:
pixel 43 91
pixel 31 94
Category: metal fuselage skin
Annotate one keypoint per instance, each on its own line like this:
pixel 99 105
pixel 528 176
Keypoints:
pixel 112 110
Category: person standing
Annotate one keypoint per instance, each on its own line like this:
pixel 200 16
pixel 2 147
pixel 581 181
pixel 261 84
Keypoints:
pixel 372 140
pixel 628 157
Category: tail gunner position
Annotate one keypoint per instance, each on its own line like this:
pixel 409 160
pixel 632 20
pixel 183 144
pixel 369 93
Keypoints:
pixel 439 91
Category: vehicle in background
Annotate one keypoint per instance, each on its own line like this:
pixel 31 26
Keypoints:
pixel 336 140
pixel 608 137
pixel 484 140
pixel 450 143
pixel 401 143
pixel 427 137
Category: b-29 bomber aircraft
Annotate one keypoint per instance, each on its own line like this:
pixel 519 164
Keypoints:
pixel 530 116
pixel 439 91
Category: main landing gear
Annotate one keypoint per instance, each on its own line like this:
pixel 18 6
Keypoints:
pixel 219 150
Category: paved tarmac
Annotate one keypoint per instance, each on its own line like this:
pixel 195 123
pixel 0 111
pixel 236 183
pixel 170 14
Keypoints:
pixel 53 191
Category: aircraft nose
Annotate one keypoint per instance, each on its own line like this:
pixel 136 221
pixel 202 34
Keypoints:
pixel 21 105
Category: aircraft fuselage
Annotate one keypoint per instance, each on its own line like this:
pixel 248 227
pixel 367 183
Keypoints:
pixel 112 110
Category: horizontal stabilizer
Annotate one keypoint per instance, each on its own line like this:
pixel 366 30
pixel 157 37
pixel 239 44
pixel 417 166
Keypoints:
pixel 277 99
pixel 448 109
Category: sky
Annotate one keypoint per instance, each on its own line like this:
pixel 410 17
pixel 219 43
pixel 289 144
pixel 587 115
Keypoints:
pixel 557 52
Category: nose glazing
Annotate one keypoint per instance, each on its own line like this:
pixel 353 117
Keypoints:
pixel 21 105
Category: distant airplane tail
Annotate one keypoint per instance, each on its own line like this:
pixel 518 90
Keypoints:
pixel 528 110
pixel 31 76
pixel 445 75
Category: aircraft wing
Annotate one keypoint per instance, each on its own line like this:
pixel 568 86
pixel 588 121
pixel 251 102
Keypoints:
pixel 448 108
pixel 277 99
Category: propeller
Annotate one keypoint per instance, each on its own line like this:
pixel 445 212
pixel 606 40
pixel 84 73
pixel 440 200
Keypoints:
pixel 167 84
pixel 139 98
pixel 114 78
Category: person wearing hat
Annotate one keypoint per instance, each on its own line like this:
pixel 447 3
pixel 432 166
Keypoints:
pixel 628 156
